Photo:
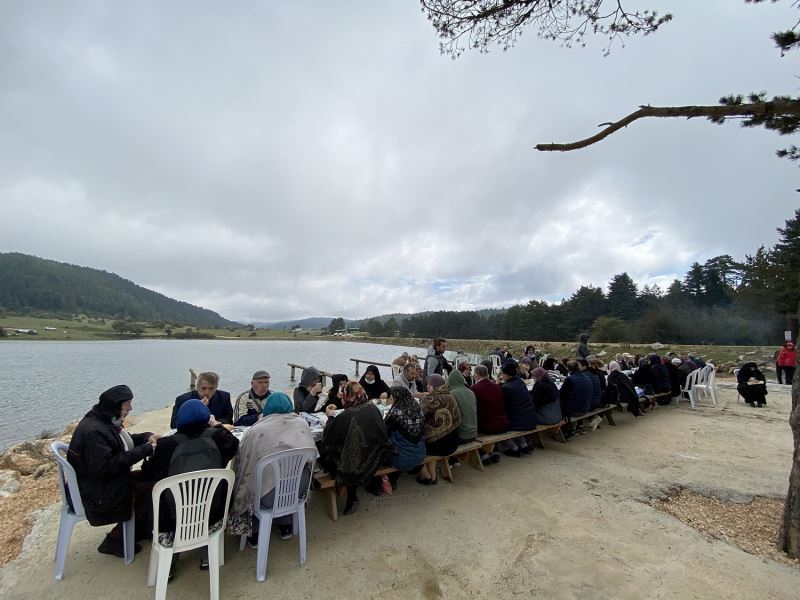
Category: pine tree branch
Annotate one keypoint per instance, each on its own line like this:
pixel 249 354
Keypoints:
pixel 790 108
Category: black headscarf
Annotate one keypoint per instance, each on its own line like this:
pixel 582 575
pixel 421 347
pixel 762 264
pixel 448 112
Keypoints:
pixel 333 393
pixel 373 390
pixel 111 401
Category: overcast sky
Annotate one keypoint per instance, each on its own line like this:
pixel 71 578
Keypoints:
pixel 277 160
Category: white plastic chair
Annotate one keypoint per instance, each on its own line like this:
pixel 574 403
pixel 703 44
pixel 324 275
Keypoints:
pixel 690 388
pixel 707 383
pixel 396 371
pixel 543 358
pixel 288 468
pixel 495 364
pixel 69 518
pixel 193 494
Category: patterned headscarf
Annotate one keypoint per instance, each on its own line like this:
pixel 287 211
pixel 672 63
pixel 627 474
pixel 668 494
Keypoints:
pixel 538 374
pixel 407 412
pixel 277 402
pixel 613 366
pixel 354 395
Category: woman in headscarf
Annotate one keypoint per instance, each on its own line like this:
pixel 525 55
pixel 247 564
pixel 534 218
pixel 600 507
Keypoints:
pixel 752 385
pixel 355 443
pixel 545 398
pixel 405 424
pixel 372 384
pixel 489 367
pixel 620 389
pixel 442 420
pixel 336 392
pixel 279 429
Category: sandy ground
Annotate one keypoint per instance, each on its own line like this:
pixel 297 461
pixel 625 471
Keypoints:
pixel 571 521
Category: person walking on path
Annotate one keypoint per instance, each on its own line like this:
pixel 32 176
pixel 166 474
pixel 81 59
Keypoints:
pixel 786 362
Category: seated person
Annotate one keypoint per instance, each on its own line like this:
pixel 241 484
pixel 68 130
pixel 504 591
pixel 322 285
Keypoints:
pixel 279 429
pixel 218 402
pixel 491 412
pixel 545 398
pixel 549 364
pixel 373 385
pixel 442 420
pixel 487 364
pixel 524 368
pixel 108 489
pixel 595 369
pixel 355 443
pixel 576 392
pixel 519 409
pixel 249 405
pixel 620 389
pixel 466 372
pixel 751 384
pixel 308 395
pixel 677 378
pixel 407 378
pixel 401 360
pixel 405 424
pixel 467 406
pixel 336 393
pixel 562 367
pixel 194 420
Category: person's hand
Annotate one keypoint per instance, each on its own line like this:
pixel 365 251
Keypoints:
pixel 316 388
pixel 329 410
pixel 212 422
pixel 204 400
pixel 154 438
pixel 383 396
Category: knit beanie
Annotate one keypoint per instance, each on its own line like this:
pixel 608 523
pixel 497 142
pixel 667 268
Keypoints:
pixel 510 368
pixel 192 411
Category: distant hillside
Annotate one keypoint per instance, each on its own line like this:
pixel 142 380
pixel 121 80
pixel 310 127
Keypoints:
pixel 307 323
pixel 29 283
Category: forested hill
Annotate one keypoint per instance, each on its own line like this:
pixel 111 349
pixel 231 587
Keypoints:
pixel 29 283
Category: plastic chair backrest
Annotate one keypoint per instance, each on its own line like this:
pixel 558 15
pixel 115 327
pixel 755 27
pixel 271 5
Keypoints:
pixel 67 478
pixel 288 468
pixel 712 375
pixel 193 493
pixel 396 370
pixel 543 358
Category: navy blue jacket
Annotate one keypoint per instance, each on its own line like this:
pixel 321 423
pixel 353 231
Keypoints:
pixel 576 393
pixel 519 405
pixel 219 405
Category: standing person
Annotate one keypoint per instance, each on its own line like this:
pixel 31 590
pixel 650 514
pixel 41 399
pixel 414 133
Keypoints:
pixel 752 385
pixel 308 395
pixel 435 362
pixel 248 406
pixel 108 489
pixel 786 362
pixel 582 349
pixel 373 385
pixel 207 391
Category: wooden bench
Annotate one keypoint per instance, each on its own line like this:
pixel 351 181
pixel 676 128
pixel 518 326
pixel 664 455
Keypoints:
pixel 652 399
pixel 605 411
pixel 488 442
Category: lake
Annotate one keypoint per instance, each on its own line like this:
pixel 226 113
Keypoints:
pixel 45 385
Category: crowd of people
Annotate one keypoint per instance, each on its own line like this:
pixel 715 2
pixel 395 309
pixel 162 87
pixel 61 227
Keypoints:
pixel 429 409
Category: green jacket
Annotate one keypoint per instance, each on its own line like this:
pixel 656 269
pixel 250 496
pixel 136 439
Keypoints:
pixel 467 405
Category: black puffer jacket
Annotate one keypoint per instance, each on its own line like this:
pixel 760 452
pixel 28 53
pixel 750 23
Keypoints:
pixel 102 464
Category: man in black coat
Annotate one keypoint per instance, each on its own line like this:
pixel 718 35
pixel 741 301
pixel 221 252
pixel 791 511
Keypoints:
pixel 103 464
pixel 218 402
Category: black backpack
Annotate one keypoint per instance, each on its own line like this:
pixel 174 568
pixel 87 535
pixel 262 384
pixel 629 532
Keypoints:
pixel 195 454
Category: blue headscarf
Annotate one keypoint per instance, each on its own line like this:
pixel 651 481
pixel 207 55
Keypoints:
pixel 191 412
pixel 277 402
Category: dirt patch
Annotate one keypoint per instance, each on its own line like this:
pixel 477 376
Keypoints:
pixel 14 510
pixel 752 526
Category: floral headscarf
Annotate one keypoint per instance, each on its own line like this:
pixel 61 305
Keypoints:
pixel 406 412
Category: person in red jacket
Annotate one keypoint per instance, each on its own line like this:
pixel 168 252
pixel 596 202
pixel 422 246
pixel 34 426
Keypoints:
pixel 786 361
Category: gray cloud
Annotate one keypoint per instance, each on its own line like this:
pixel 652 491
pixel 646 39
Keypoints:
pixel 284 161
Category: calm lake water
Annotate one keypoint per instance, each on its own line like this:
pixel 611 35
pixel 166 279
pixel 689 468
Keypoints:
pixel 45 385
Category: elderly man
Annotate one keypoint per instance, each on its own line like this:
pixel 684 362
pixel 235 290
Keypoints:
pixel 102 454
pixel 248 406
pixel 218 402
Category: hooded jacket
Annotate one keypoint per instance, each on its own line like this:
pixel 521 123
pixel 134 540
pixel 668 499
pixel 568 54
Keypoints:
pixel 303 400
pixel 101 462
pixel 787 357
pixel 582 349
pixel 467 405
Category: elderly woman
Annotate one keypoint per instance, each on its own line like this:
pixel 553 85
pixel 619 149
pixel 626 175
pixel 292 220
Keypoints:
pixel 405 424
pixel 442 420
pixel 620 389
pixel 545 398
pixel 752 385
pixel 355 443
pixel 279 429
pixel 372 384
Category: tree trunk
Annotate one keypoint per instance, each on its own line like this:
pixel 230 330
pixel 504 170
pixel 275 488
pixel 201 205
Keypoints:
pixel 789 535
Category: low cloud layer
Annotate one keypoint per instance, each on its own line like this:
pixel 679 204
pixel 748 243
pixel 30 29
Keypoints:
pixel 275 161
